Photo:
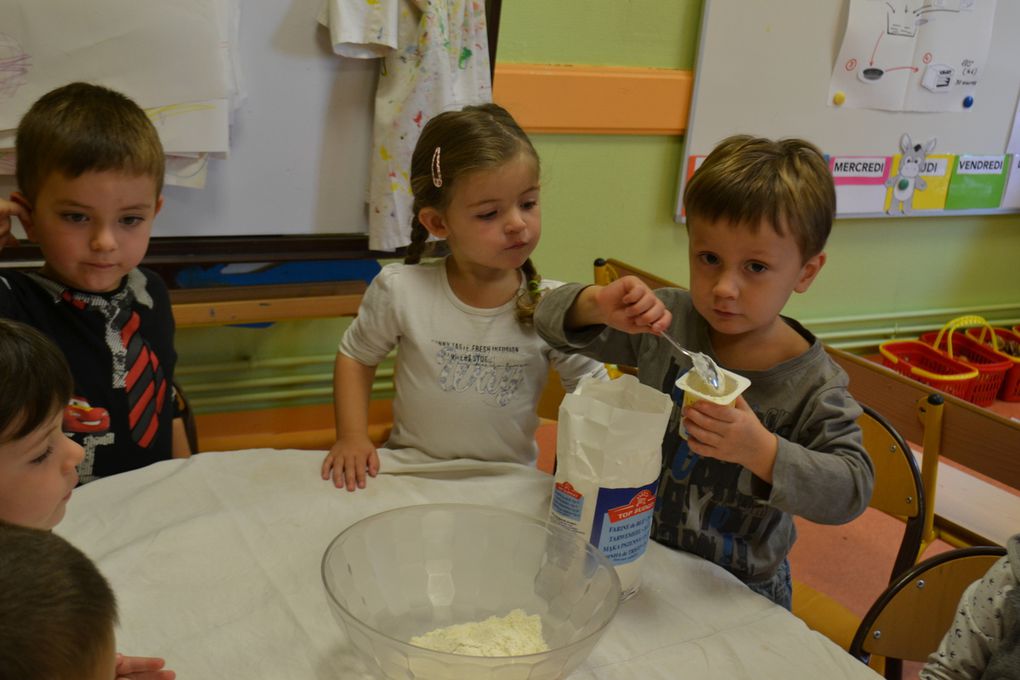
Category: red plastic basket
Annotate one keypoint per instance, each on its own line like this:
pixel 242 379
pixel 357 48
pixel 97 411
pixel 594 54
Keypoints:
pixel 990 364
pixel 1009 344
pixel 924 363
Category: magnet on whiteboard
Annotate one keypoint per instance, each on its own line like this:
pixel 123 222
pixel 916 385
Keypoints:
pixel 839 98
pixel 938 78
pixel 968 102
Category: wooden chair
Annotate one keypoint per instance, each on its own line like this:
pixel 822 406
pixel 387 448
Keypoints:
pixel 608 270
pixel 188 415
pixel 910 618
pixel 898 492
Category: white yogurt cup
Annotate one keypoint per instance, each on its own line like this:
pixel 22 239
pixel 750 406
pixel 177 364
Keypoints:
pixel 696 389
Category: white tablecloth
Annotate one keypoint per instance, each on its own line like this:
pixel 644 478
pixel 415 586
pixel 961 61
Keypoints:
pixel 215 562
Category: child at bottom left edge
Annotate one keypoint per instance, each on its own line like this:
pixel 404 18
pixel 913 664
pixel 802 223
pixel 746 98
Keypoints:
pixel 37 477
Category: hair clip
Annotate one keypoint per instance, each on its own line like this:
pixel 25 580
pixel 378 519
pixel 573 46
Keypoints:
pixel 437 172
pixel 533 284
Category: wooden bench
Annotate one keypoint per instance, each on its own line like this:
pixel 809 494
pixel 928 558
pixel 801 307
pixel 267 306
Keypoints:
pixel 225 305
pixel 299 427
pixel 976 501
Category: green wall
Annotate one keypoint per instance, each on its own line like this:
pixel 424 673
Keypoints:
pixel 614 195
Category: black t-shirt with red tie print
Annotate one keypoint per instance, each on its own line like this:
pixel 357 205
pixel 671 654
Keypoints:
pixel 120 349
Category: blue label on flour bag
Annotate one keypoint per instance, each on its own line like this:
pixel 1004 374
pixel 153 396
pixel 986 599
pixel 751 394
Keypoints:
pixel 623 522
pixel 567 501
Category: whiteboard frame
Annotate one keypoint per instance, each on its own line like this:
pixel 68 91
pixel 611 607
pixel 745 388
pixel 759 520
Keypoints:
pixel 1000 72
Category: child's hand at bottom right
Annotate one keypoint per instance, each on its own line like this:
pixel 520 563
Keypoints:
pixel 348 462
pixel 142 668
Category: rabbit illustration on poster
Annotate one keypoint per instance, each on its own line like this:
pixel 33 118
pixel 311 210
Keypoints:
pixel 908 177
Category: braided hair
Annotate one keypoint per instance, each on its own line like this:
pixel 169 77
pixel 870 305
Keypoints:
pixel 451 146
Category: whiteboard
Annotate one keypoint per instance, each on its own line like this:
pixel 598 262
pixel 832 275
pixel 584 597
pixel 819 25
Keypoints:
pixel 764 68
pixel 300 143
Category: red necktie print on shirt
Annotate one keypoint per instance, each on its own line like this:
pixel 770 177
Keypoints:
pixel 135 366
pixel 144 383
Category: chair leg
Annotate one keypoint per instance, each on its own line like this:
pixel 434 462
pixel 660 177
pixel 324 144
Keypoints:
pixel 930 413
pixel 893 669
pixel 190 427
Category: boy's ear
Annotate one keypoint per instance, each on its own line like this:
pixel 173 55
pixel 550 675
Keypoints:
pixel 433 221
pixel 26 219
pixel 159 205
pixel 808 272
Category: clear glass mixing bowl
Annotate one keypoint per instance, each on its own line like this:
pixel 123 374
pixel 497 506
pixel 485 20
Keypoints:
pixel 405 572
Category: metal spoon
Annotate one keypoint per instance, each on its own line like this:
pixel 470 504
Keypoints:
pixel 703 363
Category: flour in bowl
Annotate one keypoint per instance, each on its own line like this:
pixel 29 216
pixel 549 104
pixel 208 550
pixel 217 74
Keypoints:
pixel 515 634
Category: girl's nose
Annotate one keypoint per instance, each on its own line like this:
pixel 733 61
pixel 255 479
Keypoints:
pixel 515 222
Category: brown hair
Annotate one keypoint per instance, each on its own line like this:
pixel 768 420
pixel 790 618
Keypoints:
pixel 34 370
pixel 57 612
pixel 82 127
pixel 475 138
pixel 750 179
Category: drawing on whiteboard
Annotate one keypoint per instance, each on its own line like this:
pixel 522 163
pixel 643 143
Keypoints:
pixel 159 114
pixel 908 179
pixel 186 171
pixel 905 55
pixel 14 64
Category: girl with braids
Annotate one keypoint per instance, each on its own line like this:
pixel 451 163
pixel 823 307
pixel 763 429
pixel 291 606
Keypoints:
pixel 470 366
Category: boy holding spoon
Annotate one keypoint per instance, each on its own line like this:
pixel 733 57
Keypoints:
pixel 758 215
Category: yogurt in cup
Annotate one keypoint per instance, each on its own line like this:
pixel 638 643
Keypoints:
pixel 695 389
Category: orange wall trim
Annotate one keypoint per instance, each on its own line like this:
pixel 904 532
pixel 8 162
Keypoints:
pixel 597 100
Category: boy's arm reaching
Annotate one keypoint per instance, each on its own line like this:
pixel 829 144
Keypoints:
pixel 608 323
pixel 353 454
pixel 626 304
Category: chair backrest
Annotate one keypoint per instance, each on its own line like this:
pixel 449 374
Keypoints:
pixel 608 270
pixel 898 488
pixel 184 408
pixel 909 619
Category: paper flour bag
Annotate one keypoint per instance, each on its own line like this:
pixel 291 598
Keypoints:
pixel 608 459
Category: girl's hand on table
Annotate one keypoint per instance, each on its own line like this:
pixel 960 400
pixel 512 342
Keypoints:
pixel 142 668
pixel 349 460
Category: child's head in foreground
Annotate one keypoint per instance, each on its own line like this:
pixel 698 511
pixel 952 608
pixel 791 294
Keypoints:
pixel 475 179
pixel 57 612
pixel 37 461
pixel 758 215
pixel 90 174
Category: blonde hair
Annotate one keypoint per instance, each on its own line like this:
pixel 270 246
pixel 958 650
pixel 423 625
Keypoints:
pixel 747 180
pixel 455 144
pixel 82 127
